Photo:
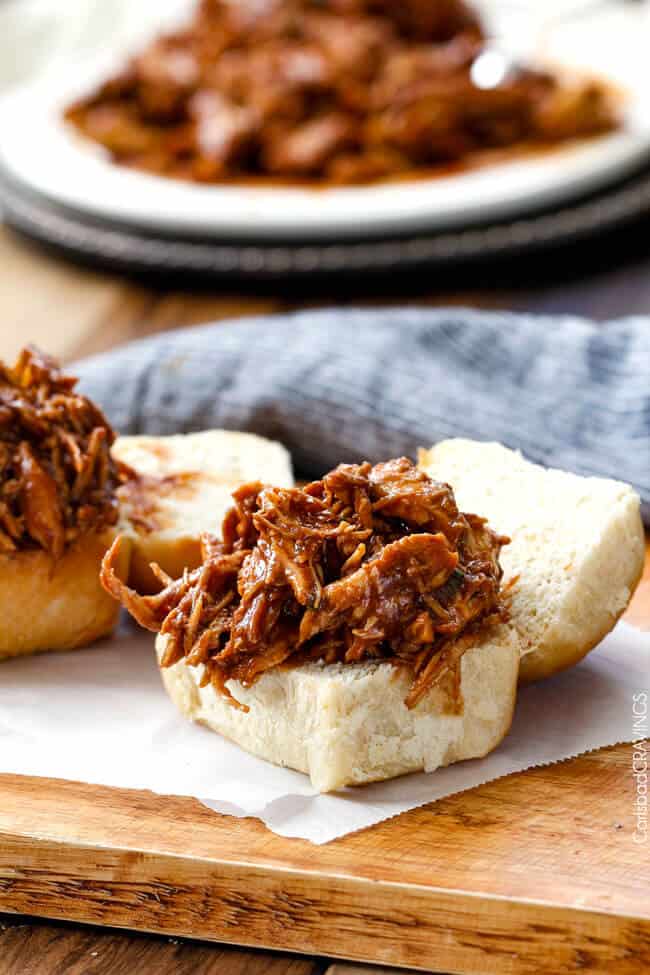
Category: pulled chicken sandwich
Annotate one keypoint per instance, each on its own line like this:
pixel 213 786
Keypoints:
pixel 58 479
pixel 369 563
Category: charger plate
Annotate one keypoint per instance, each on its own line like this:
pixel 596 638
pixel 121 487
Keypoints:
pixel 136 250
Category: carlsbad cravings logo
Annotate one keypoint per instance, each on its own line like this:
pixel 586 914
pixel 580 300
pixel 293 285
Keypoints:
pixel 640 765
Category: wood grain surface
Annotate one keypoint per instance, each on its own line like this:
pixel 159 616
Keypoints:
pixel 537 872
pixel 484 881
pixel 32 949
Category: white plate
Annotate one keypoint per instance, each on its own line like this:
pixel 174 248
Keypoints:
pixel 40 151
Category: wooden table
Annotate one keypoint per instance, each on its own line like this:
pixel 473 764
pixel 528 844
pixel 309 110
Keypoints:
pixel 71 311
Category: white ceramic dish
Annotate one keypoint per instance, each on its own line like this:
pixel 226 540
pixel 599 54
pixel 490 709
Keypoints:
pixel 39 151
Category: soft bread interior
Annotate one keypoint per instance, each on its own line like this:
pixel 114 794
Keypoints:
pixel 348 724
pixel 577 546
pixel 186 491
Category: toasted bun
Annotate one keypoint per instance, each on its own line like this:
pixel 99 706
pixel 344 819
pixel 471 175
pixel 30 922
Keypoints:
pixel 577 546
pixel 55 605
pixel 202 470
pixel 348 724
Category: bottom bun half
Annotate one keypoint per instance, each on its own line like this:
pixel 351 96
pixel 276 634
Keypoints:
pixel 346 724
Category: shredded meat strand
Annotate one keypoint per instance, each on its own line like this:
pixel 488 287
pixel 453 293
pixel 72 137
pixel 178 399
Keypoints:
pixel 57 477
pixel 344 91
pixel 369 563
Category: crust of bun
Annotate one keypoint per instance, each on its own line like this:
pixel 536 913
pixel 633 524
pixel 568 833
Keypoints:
pixel 208 466
pixel 577 548
pixel 55 605
pixel 348 724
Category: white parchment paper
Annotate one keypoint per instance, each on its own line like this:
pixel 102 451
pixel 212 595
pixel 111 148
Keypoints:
pixel 101 715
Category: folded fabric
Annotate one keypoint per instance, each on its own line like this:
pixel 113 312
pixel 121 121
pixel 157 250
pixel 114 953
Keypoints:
pixel 347 384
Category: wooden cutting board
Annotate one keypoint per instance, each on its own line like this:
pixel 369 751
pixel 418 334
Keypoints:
pixel 535 873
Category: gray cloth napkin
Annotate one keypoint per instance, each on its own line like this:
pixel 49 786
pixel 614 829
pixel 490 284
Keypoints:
pixel 350 384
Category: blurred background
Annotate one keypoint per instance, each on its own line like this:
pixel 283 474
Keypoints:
pixel 94 253
pixel 42 34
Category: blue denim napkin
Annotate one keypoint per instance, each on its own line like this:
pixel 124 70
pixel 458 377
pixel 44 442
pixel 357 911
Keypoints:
pixel 347 384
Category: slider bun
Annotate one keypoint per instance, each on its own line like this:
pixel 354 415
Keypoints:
pixel 48 604
pixel 209 466
pixel 60 605
pixel 346 724
pixel 577 546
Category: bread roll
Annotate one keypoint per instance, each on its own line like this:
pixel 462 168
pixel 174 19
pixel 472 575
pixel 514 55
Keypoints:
pixel 575 556
pixel 186 490
pixel 56 604
pixel 58 509
pixel 346 724
pixel 576 551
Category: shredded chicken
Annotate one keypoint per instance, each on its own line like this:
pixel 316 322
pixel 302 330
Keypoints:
pixel 346 91
pixel 57 477
pixel 370 563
